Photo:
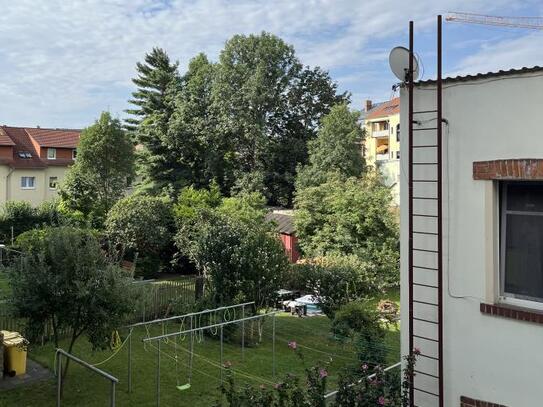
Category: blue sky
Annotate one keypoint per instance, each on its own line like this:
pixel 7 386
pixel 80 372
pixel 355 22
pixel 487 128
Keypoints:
pixel 63 62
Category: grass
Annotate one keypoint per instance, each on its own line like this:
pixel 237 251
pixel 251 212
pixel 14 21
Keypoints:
pixel 86 389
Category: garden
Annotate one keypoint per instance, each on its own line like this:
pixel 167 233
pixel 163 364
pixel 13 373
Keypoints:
pixel 192 236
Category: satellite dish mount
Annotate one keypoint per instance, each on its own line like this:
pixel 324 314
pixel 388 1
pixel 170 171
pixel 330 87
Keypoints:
pixel 399 64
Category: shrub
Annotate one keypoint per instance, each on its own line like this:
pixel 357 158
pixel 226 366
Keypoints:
pixel 358 322
pixel 241 261
pixel 350 217
pixel 23 217
pixel 335 280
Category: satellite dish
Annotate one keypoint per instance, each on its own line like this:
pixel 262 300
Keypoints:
pixel 399 63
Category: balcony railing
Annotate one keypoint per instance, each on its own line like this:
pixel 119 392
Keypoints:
pixel 381 157
pixel 380 133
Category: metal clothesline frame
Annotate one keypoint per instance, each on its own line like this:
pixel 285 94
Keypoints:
pixel 220 326
pixel 190 315
pixel 58 362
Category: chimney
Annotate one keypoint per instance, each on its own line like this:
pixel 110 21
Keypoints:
pixel 368 105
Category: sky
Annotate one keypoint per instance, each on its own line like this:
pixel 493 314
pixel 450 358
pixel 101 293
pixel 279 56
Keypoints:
pixel 63 62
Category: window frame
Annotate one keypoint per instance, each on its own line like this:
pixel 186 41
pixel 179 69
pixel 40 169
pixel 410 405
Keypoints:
pixel 27 178
pixel 504 297
pixel 56 183
pixel 74 153
pixel 54 151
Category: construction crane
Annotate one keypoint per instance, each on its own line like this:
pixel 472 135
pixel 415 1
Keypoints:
pixel 533 23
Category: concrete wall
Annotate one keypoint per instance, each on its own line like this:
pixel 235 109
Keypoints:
pixel 485 357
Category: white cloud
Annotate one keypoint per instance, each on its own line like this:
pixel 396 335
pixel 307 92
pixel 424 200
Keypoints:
pixel 65 61
pixel 520 52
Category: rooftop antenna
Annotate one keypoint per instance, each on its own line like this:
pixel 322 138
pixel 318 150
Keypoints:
pixel 399 64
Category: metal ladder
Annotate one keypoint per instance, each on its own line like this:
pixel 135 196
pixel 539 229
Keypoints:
pixel 426 241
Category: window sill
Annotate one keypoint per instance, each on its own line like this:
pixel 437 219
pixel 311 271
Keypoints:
pixel 511 312
pixel 28 188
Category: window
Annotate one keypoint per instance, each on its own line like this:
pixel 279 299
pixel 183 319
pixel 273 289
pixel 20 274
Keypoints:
pixel 398 132
pixel 53 182
pixel 28 182
pixel 521 243
pixel 51 153
pixel 24 154
pixel 74 154
pixel 397 155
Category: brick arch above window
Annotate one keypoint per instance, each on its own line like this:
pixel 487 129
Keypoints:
pixel 512 169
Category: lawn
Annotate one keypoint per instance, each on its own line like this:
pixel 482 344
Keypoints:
pixel 86 389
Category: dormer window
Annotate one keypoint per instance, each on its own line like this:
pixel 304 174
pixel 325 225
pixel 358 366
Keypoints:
pixel 51 153
pixel 24 154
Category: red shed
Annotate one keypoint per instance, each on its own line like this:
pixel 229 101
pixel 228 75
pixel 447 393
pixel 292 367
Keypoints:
pixel 285 227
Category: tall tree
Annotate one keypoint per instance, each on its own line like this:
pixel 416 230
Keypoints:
pixel 158 83
pixel 336 150
pixel 102 171
pixel 192 132
pixel 268 107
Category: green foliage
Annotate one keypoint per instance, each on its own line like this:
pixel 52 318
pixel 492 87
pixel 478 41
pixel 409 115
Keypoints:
pixel 65 279
pixel 335 280
pixel 243 122
pixel 141 223
pixel 248 208
pixel 102 171
pixel 336 150
pixel 350 217
pixel 359 322
pixel 241 261
pixel 23 217
pixel 191 200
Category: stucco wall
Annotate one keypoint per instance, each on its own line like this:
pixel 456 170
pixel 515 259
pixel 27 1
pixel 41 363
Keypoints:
pixel 485 357
pixel 10 184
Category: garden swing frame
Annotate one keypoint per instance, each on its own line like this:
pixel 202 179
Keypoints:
pixel 220 326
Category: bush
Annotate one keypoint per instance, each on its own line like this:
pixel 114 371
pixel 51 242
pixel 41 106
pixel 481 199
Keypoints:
pixel 359 322
pixel 23 217
pixel 335 280
pixel 350 217
pixel 241 261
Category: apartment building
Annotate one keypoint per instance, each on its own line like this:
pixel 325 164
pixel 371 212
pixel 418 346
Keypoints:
pixel 33 161
pixel 382 142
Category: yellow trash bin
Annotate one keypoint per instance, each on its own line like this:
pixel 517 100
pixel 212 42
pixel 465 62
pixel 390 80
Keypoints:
pixel 15 347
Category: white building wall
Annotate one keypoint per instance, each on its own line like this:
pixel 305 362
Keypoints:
pixel 485 357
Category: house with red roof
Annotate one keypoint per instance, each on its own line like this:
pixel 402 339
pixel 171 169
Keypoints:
pixel 381 147
pixel 33 162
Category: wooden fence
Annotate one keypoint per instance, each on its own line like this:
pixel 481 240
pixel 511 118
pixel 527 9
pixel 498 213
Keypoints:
pixel 156 299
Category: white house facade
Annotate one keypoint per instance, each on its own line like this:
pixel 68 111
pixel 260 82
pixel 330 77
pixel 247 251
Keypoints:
pixel 492 220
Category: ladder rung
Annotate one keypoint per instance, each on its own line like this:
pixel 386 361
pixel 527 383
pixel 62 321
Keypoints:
pixel 426 268
pixel 425 111
pixel 427 374
pixel 425 197
pixel 428 357
pixel 426 303
pixel 425 338
pixel 426 285
pixel 424 180
pixel 425 320
pixel 426 128
pixel 425 216
pixel 425 146
pixel 425 250
pixel 425 163
pixel 426 233
pixel 425 391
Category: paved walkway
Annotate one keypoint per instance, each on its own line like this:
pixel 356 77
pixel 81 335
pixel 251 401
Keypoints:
pixel 34 373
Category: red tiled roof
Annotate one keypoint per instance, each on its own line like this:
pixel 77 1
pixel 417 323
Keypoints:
pixel 26 140
pixel 55 137
pixel 385 109
pixel 4 139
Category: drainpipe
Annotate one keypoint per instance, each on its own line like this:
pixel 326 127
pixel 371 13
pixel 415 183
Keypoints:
pixel 8 190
